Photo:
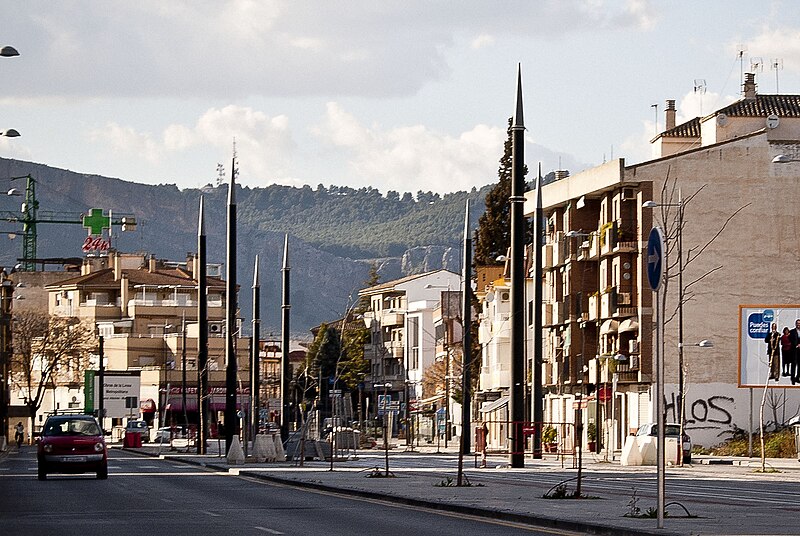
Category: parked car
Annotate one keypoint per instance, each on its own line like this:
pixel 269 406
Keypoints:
pixel 139 427
pixel 72 444
pixel 168 433
pixel 670 430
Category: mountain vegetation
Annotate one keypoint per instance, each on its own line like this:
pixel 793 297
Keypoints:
pixel 336 234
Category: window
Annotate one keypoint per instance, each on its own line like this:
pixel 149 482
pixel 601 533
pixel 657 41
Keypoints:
pixel 412 326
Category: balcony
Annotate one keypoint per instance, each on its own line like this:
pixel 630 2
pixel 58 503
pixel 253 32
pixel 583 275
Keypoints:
pixel 594 307
pixel 548 256
pixel 392 318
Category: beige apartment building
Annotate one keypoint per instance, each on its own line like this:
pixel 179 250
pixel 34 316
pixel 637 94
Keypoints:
pixel 740 247
pixel 146 311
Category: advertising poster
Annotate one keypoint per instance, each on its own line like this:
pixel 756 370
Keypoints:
pixel 757 342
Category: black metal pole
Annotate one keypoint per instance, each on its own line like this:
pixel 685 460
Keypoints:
pixel 517 200
pixel 183 370
pixel 255 361
pixel 286 371
pixel 101 379
pixel 231 365
pixel 6 297
pixel 202 334
pixel 466 357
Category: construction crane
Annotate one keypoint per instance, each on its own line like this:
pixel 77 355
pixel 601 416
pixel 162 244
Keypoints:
pixel 30 215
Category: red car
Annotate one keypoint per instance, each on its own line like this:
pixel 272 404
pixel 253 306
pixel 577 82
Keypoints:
pixel 72 444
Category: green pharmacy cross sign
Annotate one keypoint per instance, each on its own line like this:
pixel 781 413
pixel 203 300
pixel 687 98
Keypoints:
pixel 96 222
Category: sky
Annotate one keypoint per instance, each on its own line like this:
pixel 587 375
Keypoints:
pixel 397 95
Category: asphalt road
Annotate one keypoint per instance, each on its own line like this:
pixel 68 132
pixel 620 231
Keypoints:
pixel 144 496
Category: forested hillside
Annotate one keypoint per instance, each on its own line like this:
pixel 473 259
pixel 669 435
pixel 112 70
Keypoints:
pixel 359 224
pixel 335 232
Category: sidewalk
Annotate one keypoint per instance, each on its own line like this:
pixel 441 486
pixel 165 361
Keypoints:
pixel 421 478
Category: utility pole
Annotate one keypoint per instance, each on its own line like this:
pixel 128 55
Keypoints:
pixel 255 361
pixel 286 370
pixel 466 358
pixel 231 366
pixel 517 200
pixel 202 334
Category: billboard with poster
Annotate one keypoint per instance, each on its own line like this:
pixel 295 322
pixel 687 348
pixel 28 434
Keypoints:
pixel 755 324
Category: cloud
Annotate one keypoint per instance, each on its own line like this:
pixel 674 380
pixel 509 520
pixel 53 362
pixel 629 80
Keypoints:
pixel 483 40
pixel 412 158
pixel 777 43
pixel 264 143
pixel 241 48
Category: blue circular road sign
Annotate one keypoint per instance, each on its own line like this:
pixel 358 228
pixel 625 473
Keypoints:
pixel 655 257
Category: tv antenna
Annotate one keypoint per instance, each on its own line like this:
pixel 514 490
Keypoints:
pixel 756 64
pixel 777 65
pixel 700 89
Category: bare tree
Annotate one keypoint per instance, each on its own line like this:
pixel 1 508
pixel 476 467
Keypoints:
pixel 48 351
pixel 673 206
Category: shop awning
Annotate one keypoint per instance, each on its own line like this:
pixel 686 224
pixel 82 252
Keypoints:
pixel 629 325
pixel 429 401
pixel 494 406
pixel 217 403
pixel 609 326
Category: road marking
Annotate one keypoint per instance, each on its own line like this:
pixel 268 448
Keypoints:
pixel 271 531
pixel 212 514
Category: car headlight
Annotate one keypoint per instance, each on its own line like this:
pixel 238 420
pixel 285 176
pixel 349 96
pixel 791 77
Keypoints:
pixel 98 447
pixel 48 447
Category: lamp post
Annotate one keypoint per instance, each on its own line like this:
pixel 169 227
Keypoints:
pixel 705 343
pixel 9 52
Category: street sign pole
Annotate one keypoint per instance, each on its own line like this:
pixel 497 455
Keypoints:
pixel 655 272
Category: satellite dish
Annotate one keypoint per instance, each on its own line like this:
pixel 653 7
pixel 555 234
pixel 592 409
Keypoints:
pixel 490 297
pixel 773 121
pixel 722 120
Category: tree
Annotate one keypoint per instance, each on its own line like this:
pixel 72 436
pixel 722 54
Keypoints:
pixel 493 235
pixel 48 351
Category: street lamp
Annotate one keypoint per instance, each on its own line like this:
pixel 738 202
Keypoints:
pixel 10 133
pixel 8 52
pixel 705 343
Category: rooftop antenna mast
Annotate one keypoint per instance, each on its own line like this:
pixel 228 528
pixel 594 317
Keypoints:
pixel 700 89
pixel 777 65
pixel 742 49
pixel 655 112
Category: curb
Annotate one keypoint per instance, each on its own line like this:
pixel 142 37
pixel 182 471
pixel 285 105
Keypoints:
pixel 536 521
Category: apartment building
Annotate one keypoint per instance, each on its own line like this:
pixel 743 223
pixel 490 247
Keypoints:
pixel 402 343
pixel 146 311
pixel 720 188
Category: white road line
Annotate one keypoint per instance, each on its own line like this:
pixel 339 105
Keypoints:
pixel 212 514
pixel 271 531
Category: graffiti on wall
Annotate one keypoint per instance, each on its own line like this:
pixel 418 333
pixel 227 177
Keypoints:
pixel 713 412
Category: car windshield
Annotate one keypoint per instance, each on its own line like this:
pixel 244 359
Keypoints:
pixel 71 427
pixel 137 424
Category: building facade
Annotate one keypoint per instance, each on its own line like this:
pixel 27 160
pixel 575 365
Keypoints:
pixel 726 203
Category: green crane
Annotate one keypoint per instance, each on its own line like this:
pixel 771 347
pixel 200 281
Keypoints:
pixel 30 215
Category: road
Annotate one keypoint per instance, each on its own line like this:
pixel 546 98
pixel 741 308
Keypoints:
pixel 145 496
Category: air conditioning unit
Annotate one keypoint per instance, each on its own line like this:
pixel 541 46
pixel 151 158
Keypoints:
pixel 633 346
pixel 215 327
pixel 628 194
pixel 624 298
